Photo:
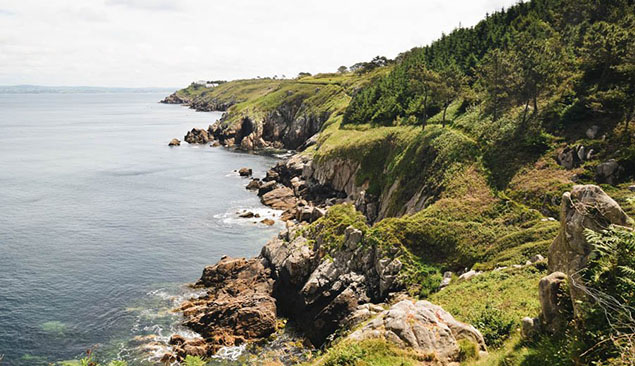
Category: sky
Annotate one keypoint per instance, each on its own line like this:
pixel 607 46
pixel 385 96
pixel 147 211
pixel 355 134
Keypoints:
pixel 170 43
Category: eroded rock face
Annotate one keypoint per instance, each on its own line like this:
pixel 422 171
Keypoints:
pixel 422 326
pixel 320 291
pixel 238 306
pixel 289 126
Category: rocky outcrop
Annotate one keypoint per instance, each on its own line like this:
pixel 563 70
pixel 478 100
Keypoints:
pixel 173 99
pixel 320 287
pixel 422 326
pixel 571 157
pixel 197 136
pixel 201 103
pixel 238 306
pixel 585 207
pixel 289 126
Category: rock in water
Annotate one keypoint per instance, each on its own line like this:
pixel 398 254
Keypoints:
pixel 281 198
pixel 245 172
pixel 423 326
pixel 254 184
pixel 197 136
pixel 175 142
pixel 238 306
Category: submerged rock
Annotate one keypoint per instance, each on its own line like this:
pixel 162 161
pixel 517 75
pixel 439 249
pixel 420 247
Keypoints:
pixel 174 142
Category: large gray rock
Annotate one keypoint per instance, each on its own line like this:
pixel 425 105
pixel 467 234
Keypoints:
pixel 555 302
pixel 608 172
pixel 422 326
pixel 585 207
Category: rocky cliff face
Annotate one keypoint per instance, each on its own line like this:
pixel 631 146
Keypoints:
pixel 322 288
pixel 199 104
pixel 329 181
pixel 288 126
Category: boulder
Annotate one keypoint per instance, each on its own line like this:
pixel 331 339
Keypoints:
pixel 469 275
pixel 245 172
pixel 585 207
pixel 554 302
pixel 572 156
pixel 422 326
pixel 197 136
pixel 447 279
pixel 267 187
pixel 246 215
pixel 281 198
pixel 592 131
pixel 608 172
pixel 530 327
pixel 271 175
pixel 268 222
pixel 254 184
pixel 174 142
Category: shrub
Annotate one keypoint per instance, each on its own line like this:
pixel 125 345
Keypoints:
pixel 467 350
pixel 193 361
pixel 494 326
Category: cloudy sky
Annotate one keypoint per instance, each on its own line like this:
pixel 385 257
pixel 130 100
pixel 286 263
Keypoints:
pixel 172 42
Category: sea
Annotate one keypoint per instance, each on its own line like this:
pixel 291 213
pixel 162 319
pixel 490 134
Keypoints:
pixel 103 225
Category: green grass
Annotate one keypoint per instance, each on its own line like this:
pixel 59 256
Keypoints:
pixel 508 295
pixel 374 352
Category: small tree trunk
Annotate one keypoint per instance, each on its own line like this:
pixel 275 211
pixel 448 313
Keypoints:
pixel 535 104
pixel 445 109
pixel 525 112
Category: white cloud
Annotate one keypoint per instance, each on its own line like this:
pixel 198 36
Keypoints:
pixel 170 43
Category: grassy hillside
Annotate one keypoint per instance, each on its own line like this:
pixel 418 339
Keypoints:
pixel 460 141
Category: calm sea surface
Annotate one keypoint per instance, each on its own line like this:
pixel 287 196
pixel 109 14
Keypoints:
pixel 101 223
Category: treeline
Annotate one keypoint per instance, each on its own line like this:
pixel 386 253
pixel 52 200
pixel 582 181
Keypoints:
pixel 580 53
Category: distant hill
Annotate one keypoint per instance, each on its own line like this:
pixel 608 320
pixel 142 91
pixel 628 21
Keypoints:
pixel 39 89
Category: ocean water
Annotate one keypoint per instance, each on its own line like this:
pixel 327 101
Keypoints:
pixel 102 224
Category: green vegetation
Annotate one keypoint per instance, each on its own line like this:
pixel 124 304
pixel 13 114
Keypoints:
pixel 458 141
pixel 368 353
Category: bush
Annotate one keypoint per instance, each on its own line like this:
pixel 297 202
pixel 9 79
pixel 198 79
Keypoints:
pixel 468 350
pixel 494 326
pixel 193 361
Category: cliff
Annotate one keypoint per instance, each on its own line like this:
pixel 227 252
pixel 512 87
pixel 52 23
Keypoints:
pixel 453 199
